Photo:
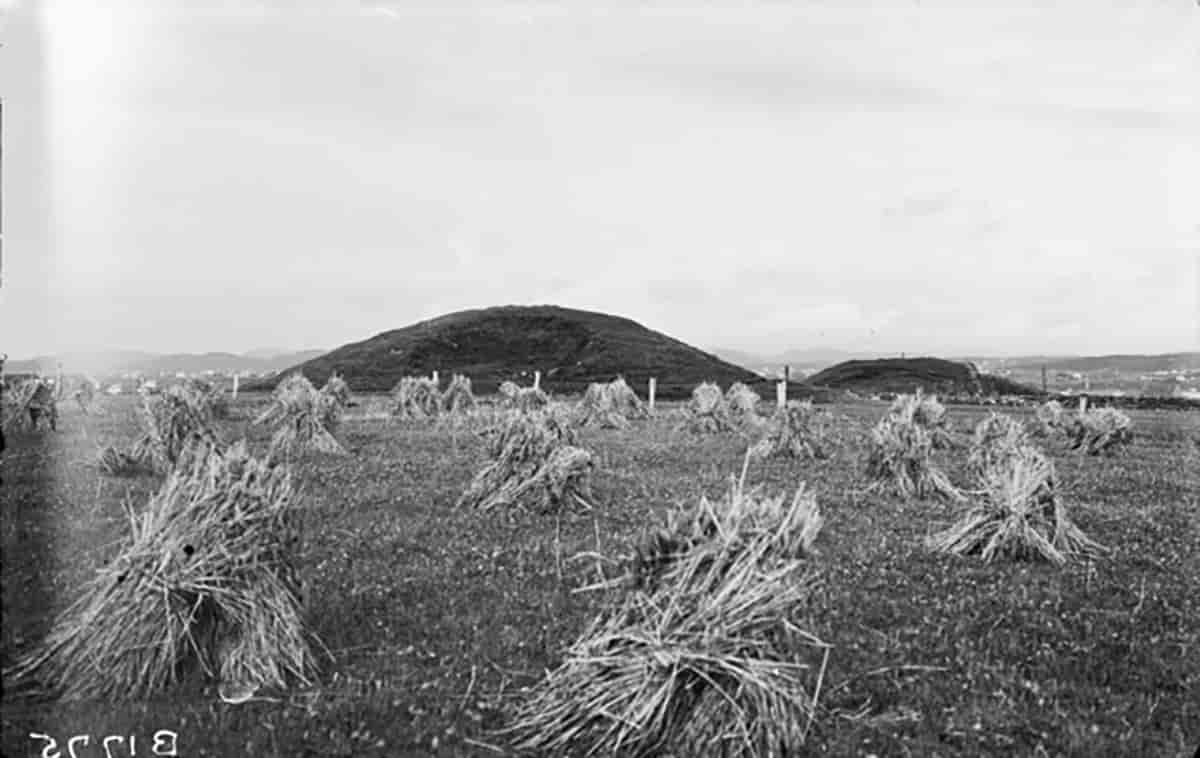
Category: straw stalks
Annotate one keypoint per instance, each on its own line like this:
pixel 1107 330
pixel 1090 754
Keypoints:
pixel 698 653
pixel 1050 418
pixel 84 395
pixel 900 458
pixel 523 399
pixel 1101 431
pixel 610 406
pixel 416 398
pixel 204 582
pixel 742 403
pixel 113 461
pixel 996 439
pixel 533 463
pixel 1020 516
pixel 926 412
pixel 170 422
pixel 211 398
pixel 305 418
pixel 458 397
pixel 707 412
pixel 793 431
pixel 29 403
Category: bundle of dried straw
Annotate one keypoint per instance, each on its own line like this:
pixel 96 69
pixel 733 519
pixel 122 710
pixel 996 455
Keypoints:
pixel 513 397
pixel 204 582
pixel 795 431
pixel 610 406
pixel 707 411
pixel 305 418
pixel 926 412
pixel 29 403
pixel 900 457
pixel 699 654
pixel 171 421
pixel 533 463
pixel 458 397
pixel 742 403
pixel 1020 515
pixel 996 438
pixel 417 398
pixel 1101 430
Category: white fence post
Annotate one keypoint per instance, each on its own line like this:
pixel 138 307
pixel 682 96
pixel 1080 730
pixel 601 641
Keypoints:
pixel 1082 405
pixel 653 388
pixel 235 386
pixel 537 380
pixel 435 378
pixel 781 394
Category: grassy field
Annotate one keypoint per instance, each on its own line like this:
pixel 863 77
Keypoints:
pixel 436 619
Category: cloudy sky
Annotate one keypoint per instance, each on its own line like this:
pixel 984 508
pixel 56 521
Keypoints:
pixel 892 176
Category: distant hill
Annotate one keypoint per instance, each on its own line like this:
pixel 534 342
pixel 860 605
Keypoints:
pixel 1122 363
pixel 153 364
pixel 570 347
pixel 906 374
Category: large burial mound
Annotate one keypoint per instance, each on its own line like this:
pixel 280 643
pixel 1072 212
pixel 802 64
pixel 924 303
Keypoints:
pixel 906 374
pixel 571 348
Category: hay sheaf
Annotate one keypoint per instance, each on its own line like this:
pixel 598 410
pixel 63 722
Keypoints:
pixel 699 652
pixel 926 412
pixel 1020 515
pixel 795 431
pixel 85 395
pixel 610 406
pixel 416 398
pixel 1048 419
pixel 31 401
pixel 204 582
pixel 171 421
pixel 212 398
pixel 514 397
pixel 995 439
pixel 458 397
pixel 305 418
pixel 1100 431
pixel 900 457
pixel 534 463
pixel 113 461
pixel 742 403
pixel 707 411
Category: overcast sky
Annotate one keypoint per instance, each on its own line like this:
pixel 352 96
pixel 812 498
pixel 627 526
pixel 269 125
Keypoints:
pixel 909 176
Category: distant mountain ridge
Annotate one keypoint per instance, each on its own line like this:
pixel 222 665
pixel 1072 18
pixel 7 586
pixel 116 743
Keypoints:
pixel 131 361
pixel 1132 363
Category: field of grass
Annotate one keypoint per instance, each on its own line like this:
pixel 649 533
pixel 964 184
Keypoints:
pixel 436 619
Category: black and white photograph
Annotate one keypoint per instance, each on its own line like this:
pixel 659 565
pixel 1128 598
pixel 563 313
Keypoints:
pixel 620 378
